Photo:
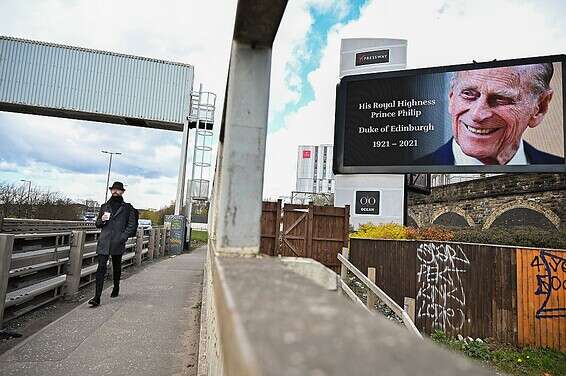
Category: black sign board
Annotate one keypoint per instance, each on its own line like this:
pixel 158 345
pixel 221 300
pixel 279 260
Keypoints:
pixel 372 57
pixel 367 202
pixel 471 118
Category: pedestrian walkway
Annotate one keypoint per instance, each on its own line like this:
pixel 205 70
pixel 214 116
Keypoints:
pixel 150 329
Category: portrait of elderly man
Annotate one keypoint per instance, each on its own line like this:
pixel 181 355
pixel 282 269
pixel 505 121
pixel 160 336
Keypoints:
pixel 490 109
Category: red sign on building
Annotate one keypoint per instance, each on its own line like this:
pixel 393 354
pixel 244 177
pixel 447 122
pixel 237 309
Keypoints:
pixel 306 154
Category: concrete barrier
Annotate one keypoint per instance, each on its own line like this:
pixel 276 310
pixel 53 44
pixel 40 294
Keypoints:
pixel 262 318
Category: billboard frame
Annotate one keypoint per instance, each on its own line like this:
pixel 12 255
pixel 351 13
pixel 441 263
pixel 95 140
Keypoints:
pixel 340 121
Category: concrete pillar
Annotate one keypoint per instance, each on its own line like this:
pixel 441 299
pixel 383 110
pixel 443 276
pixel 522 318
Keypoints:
pixel 139 247
pixel 6 246
pixel 157 243
pixel 238 192
pixel 151 244
pixel 73 280
pixel 163 241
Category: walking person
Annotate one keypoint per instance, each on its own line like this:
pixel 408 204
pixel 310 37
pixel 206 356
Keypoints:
pixel 118 222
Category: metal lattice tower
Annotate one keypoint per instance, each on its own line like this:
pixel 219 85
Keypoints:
pixel 201 118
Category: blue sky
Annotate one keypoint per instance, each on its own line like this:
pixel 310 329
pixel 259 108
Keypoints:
pixel 64 155
pixel 311 52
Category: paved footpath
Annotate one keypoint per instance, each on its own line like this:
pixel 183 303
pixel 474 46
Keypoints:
pixel 150 329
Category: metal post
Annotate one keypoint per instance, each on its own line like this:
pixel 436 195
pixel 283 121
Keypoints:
pixel 108 179
pixel 73 280
pixel 139 247
pixel 29 200
pixel 109 168
pixel 151 244
pixel 28 209
pixel 6 246
pixel 371 296
pixel 182 168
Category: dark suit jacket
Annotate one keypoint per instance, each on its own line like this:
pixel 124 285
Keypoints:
pixel 444 156
pixel 116 231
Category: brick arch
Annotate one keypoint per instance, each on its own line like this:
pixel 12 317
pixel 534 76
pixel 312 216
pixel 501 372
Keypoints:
pixel 456 210
pixel 411 214
pixel 522 204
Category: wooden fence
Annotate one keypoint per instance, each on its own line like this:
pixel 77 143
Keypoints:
pixel 513 295
pixel 317 232
pixel 38 268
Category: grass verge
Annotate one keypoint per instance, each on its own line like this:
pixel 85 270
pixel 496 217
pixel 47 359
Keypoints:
pixel 506 358
pixel 198 238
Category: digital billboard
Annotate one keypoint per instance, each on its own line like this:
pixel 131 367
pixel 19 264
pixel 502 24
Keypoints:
pixel 499 116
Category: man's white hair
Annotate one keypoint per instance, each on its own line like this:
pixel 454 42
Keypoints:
pixel 541 75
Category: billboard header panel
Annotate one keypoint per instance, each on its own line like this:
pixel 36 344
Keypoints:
pixel 64 81
pixel 500 116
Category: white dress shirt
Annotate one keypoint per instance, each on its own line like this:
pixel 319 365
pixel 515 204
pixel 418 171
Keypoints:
pixel 461 159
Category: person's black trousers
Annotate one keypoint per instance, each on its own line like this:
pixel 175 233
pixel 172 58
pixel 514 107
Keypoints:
pixel 101 272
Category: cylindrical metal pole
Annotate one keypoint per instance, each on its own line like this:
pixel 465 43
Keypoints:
pixel 29 199
pixel 182 169
pixel 108 178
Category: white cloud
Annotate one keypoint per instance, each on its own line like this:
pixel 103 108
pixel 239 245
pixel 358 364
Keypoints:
pixel 190 31
pixel 439 33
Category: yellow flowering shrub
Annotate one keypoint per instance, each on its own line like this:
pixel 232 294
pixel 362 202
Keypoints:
pixel 396 231
pixel 383 231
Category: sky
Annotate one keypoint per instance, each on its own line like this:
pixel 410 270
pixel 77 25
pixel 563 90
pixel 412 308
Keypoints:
pixel 64 155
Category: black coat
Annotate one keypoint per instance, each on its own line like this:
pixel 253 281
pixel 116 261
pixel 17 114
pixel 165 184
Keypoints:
pixel 116 231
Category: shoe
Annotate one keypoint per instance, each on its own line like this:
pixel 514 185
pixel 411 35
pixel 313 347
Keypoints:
pixel 115 292
pixel 94 302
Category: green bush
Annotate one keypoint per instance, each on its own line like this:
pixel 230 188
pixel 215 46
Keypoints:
pixel 515 236
pixel 430 233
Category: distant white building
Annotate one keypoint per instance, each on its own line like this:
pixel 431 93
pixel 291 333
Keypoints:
pixel 444 179
pixel 314 169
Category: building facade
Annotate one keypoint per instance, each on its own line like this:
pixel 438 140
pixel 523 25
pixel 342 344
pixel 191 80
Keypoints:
pixel 314 169
pixel 509 200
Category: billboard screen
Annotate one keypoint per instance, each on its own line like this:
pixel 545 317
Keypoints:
pixel 500 116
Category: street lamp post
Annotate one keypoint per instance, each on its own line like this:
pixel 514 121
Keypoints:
pixel 29 196
pixel 109 167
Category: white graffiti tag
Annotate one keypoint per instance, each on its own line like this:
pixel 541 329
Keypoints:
pixel 441 296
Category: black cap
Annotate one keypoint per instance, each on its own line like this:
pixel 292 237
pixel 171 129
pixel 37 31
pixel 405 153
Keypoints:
pixel 117 185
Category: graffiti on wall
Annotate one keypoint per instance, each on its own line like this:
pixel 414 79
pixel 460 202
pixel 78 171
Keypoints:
pixel 441 296
pixel 551 270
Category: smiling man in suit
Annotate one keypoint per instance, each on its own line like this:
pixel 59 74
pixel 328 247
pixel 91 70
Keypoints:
pixel 490 110
pixel 117 219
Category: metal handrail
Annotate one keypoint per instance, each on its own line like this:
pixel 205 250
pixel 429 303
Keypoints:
pixel 409 324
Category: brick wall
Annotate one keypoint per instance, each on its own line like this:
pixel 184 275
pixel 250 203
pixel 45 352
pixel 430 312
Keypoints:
pixel 541 197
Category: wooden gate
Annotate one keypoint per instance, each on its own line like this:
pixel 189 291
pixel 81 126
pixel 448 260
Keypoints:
pixel 294 238
pixel 317 232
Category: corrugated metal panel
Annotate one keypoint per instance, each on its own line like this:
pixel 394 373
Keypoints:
pixel 56 80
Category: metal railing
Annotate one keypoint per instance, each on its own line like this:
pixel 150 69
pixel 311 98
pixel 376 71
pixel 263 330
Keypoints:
pixel 28 226
pixel 37 268
pixel 373 291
